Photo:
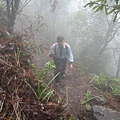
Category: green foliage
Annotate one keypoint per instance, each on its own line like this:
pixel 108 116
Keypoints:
pixel 87 97
pixel 115 86
pixel 31 48
pixel 106 82
pixel 101 81
pixel 46 91
pixel 49 66
pixel 99 5
pixel 43 91
pixel 31 89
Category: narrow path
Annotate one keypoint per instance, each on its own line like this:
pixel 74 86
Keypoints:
pixel 73 88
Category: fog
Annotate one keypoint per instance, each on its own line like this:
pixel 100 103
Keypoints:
pixel 84 30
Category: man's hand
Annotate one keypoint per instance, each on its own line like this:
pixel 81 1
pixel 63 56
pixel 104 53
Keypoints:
pixel 71 66
pixel 51 53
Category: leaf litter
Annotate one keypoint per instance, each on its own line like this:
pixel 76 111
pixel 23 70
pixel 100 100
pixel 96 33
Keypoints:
pixel 17 99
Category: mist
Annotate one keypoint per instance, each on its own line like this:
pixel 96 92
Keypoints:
pixel 83 29
pixel 60 59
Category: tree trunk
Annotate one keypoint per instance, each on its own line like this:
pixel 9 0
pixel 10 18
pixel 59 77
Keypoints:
pixel 107 37
pixel 118 68
pixel 12 10
pixel 8 11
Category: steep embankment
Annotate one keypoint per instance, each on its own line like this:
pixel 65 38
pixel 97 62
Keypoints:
pixel 23 96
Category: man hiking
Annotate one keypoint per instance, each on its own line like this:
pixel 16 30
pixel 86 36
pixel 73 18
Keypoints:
pixel 61 52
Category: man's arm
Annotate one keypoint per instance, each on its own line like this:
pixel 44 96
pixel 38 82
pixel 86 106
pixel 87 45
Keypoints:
pixel 70 55
pixel 51 52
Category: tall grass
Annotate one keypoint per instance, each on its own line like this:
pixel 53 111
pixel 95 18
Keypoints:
pixel 43 91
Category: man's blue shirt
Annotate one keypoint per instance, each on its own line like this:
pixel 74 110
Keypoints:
pixel 65 53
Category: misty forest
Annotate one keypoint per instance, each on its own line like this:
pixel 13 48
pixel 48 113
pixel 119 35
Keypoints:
pixel 90 89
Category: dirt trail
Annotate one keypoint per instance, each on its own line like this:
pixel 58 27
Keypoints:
pixel 73 88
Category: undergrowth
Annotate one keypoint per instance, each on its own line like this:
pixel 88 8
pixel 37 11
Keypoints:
pixel 43 92
pixel 107 84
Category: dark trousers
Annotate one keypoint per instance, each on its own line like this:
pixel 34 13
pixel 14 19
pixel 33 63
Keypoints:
pixel 60 68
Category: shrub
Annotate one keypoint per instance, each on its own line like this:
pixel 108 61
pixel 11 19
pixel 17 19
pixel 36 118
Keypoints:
pixel 106 83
